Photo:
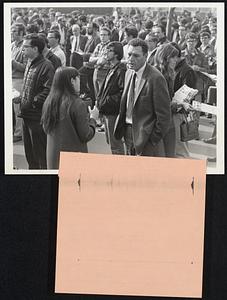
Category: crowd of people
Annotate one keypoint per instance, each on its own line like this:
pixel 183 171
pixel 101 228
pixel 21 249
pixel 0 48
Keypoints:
pixel 126 66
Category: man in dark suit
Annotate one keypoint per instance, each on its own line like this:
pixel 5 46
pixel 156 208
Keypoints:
pixel 144 115
pixel 78 43
pixel 114 36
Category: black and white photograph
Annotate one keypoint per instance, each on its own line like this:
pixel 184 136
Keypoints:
pixel 140 79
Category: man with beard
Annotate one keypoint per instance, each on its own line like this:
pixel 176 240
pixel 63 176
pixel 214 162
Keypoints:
pixel 160 32
pixel 92 41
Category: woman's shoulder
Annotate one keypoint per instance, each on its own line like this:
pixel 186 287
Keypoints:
pixel 77 103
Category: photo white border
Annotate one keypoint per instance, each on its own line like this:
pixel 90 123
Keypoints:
pixel 220 165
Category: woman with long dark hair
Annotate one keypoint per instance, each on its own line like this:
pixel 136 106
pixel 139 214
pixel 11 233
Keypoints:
pixel 65 118
pixel 165 61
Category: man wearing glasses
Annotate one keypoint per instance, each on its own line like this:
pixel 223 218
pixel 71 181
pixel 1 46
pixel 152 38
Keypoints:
pixel 38 78
pixel 193 56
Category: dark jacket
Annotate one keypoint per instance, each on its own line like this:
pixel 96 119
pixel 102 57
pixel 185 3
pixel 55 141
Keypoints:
pixel 184 75
pixel 151 110
pixel 54 59
pixel 111 90
pixel 19 61
pixel 90 47
pixel 37 83
pixel 71 133
pixel 198 59
pixel 114 35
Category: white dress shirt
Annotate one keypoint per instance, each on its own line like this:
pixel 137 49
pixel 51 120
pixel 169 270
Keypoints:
pixel 60 53
pixel 139 74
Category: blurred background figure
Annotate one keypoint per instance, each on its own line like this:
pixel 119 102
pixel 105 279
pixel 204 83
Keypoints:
pixel 152 42
pixel 19 62
pixel 54 38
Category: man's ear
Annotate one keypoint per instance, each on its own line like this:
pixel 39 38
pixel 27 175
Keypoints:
pixel 36 48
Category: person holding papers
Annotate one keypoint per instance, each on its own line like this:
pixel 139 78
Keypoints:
pixel 78 42
pixel 165 59
pixel 184 74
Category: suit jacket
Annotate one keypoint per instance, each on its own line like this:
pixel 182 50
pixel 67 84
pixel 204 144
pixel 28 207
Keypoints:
pixel 110 93
pixel 90 47
pixel 76 59
pixel 151 60
pixel 83 40
pixel 151 111
pixel 121 36
pixel 114 35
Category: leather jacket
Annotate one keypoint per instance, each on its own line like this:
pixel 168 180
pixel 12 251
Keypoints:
pixel 37 83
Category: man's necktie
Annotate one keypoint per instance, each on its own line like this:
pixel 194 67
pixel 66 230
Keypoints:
pixel 76 44
pixel 131 96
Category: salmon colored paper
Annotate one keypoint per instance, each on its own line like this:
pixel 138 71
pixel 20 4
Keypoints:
pixel 130 225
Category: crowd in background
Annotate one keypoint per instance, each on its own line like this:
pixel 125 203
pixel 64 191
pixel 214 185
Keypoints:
pixel 82 41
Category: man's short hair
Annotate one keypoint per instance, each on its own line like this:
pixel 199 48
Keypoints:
pixel 161 27
pixel 183 21
pixel 75 26
pixel 95 26
pixel 152 37
pixel 106 29
pixel 148 24
pixel 139 43
pixel 177 47
pixel 75 13
pixel 117 48
pixel 58 14
pixel 83 18
pixel 205 33
pixel 44 37
pixel 36 41
pixel 39 22
pixel 32 28
pixel 100 20
pixel 19 27
pixel 56 34
pixel 190 36
pixel 110 23
pixel 71 21
pixel 175 25
pixel 131 31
